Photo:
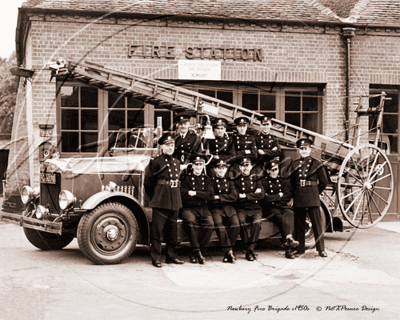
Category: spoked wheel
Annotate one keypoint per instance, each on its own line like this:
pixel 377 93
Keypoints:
pixel 365 186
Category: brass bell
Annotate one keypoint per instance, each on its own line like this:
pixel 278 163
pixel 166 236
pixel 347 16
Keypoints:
pixel 208 131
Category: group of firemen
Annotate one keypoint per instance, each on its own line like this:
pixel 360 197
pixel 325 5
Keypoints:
pixel 229 185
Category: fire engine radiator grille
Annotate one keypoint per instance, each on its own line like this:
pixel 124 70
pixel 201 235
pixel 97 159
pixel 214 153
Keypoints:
pixel 49 194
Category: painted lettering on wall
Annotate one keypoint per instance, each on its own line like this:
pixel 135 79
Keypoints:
pixel 225 52
pixel 196 52
pixel 151 51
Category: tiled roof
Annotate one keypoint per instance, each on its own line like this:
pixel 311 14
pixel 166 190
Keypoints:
pixel 382 12
pixel 296 10
pixel 341 7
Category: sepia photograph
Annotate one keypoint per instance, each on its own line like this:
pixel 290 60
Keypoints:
pixel 199 159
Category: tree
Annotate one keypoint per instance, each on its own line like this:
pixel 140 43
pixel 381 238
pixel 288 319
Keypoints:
pixel 8 93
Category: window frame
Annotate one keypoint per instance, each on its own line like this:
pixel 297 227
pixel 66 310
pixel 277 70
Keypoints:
pixel 393 90
pixel 59 84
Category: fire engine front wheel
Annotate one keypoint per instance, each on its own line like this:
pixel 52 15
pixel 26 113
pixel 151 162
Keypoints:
pixel 48 241
pixel 108 234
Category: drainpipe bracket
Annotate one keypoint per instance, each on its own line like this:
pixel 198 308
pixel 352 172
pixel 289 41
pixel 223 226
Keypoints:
pixel 349 32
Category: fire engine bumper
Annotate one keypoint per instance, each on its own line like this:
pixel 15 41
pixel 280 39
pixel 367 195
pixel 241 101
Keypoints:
pixel 32 223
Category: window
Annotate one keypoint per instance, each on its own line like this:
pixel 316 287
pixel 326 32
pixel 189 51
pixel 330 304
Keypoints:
pixel 260 101
pixel 226 96
pixel 300 106
pixel 301 109
pixel 389 138
pixel 79 119
pixel 89 118
pixel 123 113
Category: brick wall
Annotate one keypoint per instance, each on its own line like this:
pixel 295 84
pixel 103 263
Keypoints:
pixel 298 54
pixel 292 54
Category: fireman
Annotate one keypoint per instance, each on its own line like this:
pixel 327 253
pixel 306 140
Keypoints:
pixel 308 179
pixel 220 147
pixel 187 142
pixel 196 190
pixel 163 187
pixel 267 145
pixel 276 205
pixel 248 209
pixel 243 144
pixel 223 211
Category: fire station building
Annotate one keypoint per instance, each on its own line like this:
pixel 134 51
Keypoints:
pixel 305 62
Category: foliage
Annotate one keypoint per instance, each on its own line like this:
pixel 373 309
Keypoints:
pixel 8 93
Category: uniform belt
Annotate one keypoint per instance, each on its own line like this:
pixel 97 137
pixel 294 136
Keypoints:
pixel 303 183
pixel 172 183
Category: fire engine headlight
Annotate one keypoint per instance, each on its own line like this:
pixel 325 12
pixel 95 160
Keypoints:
pixel 41 212
pixel 66 199
pixel 27 194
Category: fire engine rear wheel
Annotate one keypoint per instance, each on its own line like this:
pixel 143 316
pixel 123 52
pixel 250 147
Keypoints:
pixel 48 241
pixel 309 236
pixel 365 186
pixel 108 235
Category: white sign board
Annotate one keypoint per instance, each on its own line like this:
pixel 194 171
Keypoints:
pixel 199 70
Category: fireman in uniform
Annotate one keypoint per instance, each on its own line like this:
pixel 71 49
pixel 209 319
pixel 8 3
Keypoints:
pixel 267 145
pixel 220 147
pixel 196 190
pixel 224 214
pixel 187 142
pixel 248 209
pixel 162 186
pixel 308 179
pixel 276 205
pixel 243 144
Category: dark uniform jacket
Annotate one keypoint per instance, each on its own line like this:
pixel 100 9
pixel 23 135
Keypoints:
pixel 185 147
pixel 157 182
pixel 310 173
pixel 272 188
pixel 249 185
pixel 203 187
pixel 221 147
pixel 243 145
pixel 267 142
pixel 228 195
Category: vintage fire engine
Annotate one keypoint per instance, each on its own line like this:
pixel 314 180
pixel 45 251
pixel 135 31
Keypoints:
pixel 101 201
